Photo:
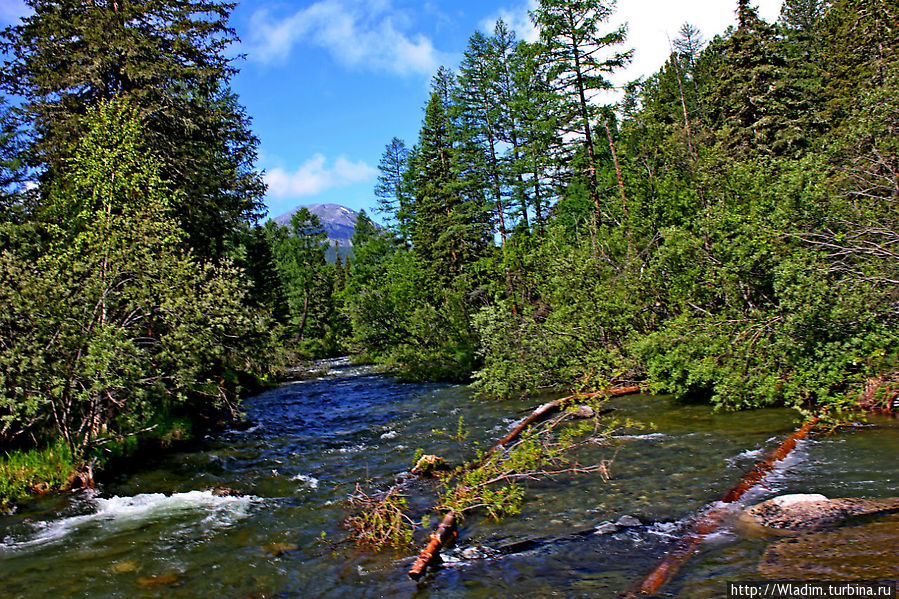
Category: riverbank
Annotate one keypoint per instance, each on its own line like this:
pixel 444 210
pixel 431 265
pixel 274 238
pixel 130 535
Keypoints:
pixel 27 473
pixel 24 474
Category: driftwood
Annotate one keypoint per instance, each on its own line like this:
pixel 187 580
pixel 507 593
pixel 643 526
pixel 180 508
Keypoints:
pixel 710 520
pixel 446 531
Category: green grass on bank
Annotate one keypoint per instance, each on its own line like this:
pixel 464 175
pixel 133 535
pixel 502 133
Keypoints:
pixel 22 473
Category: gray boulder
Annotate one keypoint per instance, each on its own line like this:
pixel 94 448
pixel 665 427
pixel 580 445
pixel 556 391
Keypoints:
pixel 796 513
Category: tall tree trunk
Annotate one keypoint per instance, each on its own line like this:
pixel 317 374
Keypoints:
pixel 585 115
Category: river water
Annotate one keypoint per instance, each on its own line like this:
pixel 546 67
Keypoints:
pixel 161 532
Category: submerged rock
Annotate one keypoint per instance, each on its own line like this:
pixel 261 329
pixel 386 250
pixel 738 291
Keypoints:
pixel 605 528
pixel 277 549
pixel 864 551
pixel 793 513
pixel 161 580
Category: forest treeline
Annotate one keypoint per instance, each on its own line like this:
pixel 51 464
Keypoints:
pixel 726 230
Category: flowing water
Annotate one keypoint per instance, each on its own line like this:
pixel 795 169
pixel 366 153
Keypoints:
pixel 162 532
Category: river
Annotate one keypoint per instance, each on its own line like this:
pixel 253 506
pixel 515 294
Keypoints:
pixel 160 531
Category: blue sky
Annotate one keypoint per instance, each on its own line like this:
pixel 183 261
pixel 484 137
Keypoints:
pixel 329 82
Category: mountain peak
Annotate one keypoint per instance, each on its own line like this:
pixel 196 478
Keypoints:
pixel 339 222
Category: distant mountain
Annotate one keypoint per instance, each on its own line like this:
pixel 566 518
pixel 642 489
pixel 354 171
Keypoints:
pixel 339 222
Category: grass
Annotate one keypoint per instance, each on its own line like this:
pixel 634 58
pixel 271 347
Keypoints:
pixel 24 473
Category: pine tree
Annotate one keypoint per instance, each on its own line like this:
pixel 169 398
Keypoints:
pixel 751 94
pixel 581 57
pixel 539 151
pixel 860 50
pixel 11 171
pixel 480 108
pixel 449 229
pixel 803 15
pixel 169 59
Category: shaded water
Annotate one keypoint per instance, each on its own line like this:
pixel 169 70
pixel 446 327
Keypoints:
pixel 161 532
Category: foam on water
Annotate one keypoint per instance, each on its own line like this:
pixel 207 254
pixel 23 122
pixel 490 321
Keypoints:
pixel 310 481
pixel 128 513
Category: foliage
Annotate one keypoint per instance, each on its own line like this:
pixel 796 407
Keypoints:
pixel 492 482
pixel 379 522
pixel 169 60
pixel 113 324
pixel 734 239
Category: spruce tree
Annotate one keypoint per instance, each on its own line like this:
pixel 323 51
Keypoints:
pixel 168 58
pixel 449 228
pixel 393 198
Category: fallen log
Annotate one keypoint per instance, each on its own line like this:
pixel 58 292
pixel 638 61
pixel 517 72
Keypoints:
pixel 446 531
pixel 546 410
pixel 440 538
pixel 709 521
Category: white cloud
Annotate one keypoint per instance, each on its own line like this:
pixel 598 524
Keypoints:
pixel 316 176
pixel 357 33
pixel 651 23
pixel 517 19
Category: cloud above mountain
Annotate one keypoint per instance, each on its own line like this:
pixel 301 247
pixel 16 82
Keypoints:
pixel 316 176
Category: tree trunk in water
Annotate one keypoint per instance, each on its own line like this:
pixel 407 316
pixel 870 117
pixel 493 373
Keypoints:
pixel 446 530
pixel 546 410
pixel 709 521
pixel 445 533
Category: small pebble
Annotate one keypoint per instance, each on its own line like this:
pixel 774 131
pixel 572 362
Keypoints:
pixel 605 528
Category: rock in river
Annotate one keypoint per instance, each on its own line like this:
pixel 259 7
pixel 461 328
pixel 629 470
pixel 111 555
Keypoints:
pixel 796 513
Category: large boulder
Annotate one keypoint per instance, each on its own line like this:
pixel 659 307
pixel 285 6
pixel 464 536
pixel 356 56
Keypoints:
pixel 797 513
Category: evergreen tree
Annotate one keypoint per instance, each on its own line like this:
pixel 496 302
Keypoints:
pixel 306 278
pixel 448 230
pixel 540 158
pixel 11 168
pixel 479 105
pixel 803 16
pixel 579 54
pixel 750 95
pixel 169 59
pixel 860 49
pixel 393 198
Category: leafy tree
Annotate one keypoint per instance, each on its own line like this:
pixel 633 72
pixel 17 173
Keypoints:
pixel 113 328
pixel 169 59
